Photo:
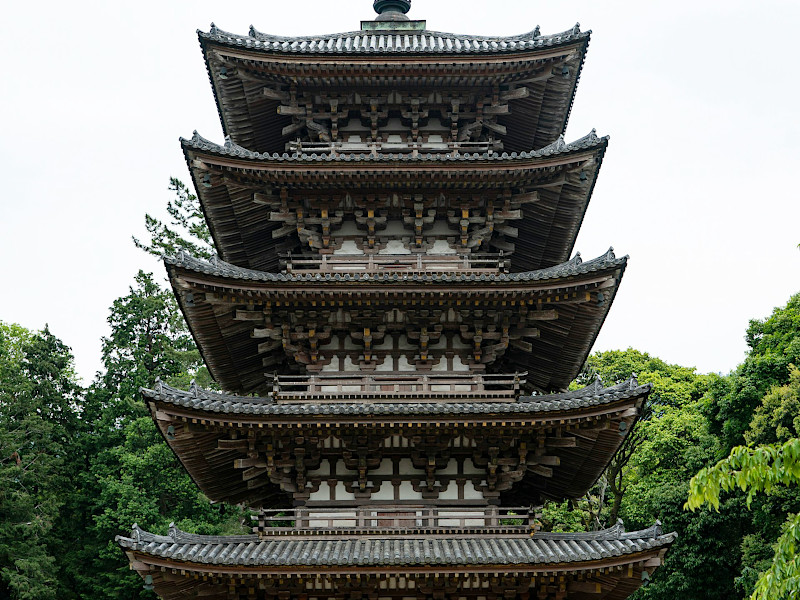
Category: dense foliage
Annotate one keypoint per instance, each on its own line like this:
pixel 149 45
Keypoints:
pixel 80 466
pixel 754 470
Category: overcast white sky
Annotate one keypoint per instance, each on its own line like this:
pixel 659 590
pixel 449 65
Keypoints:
pixel 700 184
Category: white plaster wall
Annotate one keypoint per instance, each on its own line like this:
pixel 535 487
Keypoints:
pixel 459 344
pixel 403 344
pixel 385 492
pixel 386 344
pixel 441 247
pixel 471 469
pixel 323 494
pixel 385 468
pixel 451 493
pixel 331 367
pixel 440 344
pixel 458 365
pixel 406 467
pixel 324 469
pixel 450 469
pixel 341 492
pixel 407 492
pixel 350 228
pixel 470 493
pixel 348 248
pixel 387 364
pixel 395 247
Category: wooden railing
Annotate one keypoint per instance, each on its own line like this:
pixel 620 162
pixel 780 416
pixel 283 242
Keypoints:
pixel 395 387
pixel 375 148
pixel 411 263
pixel 397 520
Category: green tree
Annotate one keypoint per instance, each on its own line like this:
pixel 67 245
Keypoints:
pixel 132 476
pixel 759 470
pixel 674 388
pixel 774 345
pixel 39 419
pixel 758 403
pixel 187 229
pixel 648 479
pixel 777 419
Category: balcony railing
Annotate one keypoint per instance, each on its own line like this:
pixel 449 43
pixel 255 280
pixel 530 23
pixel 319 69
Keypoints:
pixel 398 521
pixel 419 263
pixel 395 387
pixel 375 148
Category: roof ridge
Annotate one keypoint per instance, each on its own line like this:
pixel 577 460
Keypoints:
pixel 394 42
pixel 532 36
pixel 204 400
pixel 140 537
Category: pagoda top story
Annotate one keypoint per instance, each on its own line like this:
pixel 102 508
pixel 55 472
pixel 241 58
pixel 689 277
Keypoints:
pixel 520 87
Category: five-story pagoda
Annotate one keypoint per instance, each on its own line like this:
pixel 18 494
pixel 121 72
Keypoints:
pixel 394 209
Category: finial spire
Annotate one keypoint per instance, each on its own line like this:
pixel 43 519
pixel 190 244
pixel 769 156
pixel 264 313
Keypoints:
pixel 392 10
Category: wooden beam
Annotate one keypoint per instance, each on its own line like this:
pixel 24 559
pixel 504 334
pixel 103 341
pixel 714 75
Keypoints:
pixel 542 315
pixel 552 461
pixel 584 587
pixel 495 127
pixel 515 94
pixel 501 109
pixel 291 110
pixel 232 445
pixel 274 94
pixel 562 442
pixel 243 463
pixel 289 129
pixel 541 470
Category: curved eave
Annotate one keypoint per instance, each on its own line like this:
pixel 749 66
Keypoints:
pixel 231 352
pixel 542 552
pixel 200 418
pixel 184 565
pixel 215 416
pixel 222 408
pixel 242 157
pixel 251 120
pixel 242 229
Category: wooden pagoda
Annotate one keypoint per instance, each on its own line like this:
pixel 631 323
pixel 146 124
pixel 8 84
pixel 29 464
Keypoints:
pixel 396 318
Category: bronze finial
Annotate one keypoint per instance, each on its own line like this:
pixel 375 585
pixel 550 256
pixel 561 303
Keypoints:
pixel 392 10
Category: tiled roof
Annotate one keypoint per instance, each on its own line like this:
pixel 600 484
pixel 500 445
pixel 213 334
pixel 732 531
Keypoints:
pixel 390 42
pixel 250 550
pixel 573 267
pixel 207 401
pixel 198 142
